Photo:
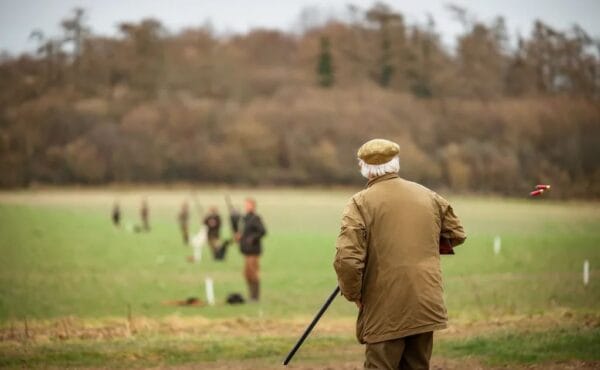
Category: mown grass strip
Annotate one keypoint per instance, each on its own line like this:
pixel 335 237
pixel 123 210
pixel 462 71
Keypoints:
pixel 513 347
pixel 496 349
pixel 165 351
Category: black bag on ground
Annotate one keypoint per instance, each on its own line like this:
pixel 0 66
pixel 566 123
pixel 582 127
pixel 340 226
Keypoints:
pixel 235 298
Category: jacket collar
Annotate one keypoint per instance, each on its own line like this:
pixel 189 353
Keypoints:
pixel 387 176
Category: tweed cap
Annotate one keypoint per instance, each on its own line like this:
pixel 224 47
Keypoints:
pixel 378 151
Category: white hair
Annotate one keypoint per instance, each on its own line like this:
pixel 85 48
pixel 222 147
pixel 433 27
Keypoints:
pixel 374 170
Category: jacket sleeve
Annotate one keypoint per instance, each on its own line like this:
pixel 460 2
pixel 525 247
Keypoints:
pixel 260 228
pixel 451 228
pixel 351 252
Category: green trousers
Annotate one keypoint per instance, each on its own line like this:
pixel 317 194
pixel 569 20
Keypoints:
pixel 408 353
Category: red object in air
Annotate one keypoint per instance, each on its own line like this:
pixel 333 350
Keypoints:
pixel 542 187
pixel 537 192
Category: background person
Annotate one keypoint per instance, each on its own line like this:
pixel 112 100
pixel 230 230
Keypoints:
pixel 116 214
pixel 251 247
pixel 145 215
pixel 213 225
pixel 183 218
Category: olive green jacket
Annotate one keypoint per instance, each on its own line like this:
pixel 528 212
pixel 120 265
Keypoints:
pixel 387 258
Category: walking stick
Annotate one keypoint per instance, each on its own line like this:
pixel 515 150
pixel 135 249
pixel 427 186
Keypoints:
pixel 310 327
pixel 234 215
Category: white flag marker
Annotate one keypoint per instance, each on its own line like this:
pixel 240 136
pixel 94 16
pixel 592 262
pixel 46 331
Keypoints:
pixel 497 244
pixel 586 272
pixel 210 292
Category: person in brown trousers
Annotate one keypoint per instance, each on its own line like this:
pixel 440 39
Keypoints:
pixel 116 214
pixel 388 261
pixel 145 215
pixel 183 218
pixel 250 240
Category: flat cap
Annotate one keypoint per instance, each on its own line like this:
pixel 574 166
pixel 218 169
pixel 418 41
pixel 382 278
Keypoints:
pixel 378 151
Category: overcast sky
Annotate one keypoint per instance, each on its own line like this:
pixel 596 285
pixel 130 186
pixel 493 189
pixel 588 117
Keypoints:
pixel 19 17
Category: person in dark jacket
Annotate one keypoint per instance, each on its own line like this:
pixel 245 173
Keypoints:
pixel 213 224
pixel 251 247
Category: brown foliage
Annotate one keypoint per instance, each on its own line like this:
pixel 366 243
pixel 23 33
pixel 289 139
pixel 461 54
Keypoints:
pixel 153 106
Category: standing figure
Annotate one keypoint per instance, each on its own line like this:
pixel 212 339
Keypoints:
pixel 251 247
pixel 184 217
pixel 388 261
pixel 145 215
pixel 116 214
pixel 213 225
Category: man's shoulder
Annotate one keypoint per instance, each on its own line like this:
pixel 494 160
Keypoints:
pixel 424 191
pixel 397 182
pixel 417 187
pixel 359 196
pixel 398 185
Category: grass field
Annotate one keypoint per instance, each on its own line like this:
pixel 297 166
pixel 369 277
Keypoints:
pixel 77 292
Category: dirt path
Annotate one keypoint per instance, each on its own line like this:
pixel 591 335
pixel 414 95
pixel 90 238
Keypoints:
pixel 107 329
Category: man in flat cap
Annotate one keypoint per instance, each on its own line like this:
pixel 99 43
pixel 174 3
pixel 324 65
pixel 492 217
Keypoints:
pixel 388 261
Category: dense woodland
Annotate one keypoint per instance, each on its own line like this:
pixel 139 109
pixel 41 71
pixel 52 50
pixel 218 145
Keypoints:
pixel 492 115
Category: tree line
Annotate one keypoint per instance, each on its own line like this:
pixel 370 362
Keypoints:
pixel 282 108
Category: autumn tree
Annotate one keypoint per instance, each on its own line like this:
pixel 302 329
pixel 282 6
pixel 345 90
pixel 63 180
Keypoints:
pixel 387 22
pixel 481 55
pixel 144 55
pixel 325 64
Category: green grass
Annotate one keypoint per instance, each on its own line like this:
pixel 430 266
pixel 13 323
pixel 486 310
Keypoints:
pixel 161 351
pixel 60 256
pixel 504 348
pixel 527 347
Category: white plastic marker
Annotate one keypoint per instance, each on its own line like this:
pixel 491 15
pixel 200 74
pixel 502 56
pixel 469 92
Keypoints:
pixel 497 244
pixel 586 272
pixel 210 292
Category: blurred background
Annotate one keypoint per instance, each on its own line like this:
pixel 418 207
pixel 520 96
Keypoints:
pixel 487 96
